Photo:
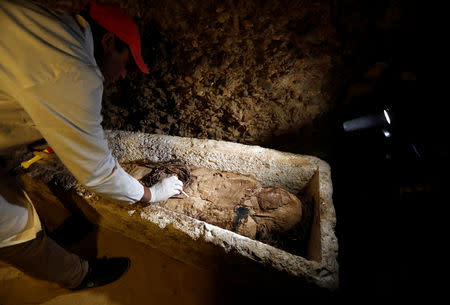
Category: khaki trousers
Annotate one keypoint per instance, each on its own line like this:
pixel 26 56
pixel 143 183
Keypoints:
pixel 44 259
pixel 31 250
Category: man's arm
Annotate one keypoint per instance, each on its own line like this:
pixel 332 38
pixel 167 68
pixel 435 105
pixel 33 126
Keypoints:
pixel 67 112
pixel 147 195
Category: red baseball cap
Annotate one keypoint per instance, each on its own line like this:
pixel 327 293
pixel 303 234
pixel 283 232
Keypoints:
pixel 117 21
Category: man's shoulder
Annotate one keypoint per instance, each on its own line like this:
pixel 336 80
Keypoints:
pixel 47 45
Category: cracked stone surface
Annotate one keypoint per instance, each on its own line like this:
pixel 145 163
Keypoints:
pixel 197 242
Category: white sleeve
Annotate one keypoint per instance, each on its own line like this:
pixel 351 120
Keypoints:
pixel 67 112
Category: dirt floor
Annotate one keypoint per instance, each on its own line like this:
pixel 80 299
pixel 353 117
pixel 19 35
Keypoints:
pixel 153 278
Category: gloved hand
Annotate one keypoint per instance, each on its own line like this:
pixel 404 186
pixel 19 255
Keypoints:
pixel 165 189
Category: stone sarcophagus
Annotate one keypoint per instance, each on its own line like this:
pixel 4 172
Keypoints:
pixel 206 232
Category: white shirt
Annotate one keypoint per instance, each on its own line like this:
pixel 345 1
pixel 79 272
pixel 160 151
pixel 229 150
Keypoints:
pixel 51 87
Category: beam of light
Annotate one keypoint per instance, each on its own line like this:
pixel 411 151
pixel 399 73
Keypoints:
pixel 416 151
pixel 364 122
pixel 386 115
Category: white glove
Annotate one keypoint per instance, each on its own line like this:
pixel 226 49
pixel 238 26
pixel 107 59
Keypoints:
pixel 166 188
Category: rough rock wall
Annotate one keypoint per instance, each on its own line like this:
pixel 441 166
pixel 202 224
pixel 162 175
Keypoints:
pixel 242 71
pixel 255 72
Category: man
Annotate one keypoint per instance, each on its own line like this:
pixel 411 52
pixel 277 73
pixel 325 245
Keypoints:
pixel 52 68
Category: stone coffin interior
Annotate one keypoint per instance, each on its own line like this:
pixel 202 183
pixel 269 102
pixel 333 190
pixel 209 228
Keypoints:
pixel 234 202
pixel 208 246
